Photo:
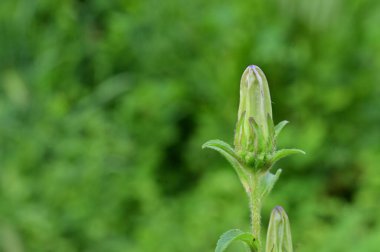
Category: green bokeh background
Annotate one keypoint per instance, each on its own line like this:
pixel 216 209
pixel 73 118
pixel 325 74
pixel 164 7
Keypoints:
pixel 104 106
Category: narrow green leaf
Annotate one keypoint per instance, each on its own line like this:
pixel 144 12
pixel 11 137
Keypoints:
pixel 284 153
pixel 279 127
pixel 268 181
pixel 235 235
pixel 227 151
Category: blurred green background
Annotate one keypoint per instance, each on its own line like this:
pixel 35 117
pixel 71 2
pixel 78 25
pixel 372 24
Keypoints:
pixel 104 106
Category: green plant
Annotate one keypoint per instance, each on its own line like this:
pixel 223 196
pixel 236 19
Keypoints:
pixel 252 157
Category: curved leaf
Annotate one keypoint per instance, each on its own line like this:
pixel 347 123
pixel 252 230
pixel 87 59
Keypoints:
pixel 235 235
pixel 279 127
pixel 284 153
pixel 268 181
pixel 227 151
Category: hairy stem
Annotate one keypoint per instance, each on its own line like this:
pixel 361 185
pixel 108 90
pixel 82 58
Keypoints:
pixel 255 209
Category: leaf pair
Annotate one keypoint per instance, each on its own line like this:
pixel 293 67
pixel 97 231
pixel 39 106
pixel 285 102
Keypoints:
pixel 238 163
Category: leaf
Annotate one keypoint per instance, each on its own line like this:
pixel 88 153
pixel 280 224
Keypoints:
pixel 284 153
pixel 235 235
pixel 279 127
pixel 268 181
pixel 279 237
pixel 227 151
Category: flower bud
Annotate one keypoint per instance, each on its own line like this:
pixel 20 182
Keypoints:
pixel 279 236
pixel 254 128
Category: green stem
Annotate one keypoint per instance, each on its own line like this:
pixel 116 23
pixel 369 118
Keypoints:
pixel 255 209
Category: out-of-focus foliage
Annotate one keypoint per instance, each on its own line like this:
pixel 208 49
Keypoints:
pixel 104 106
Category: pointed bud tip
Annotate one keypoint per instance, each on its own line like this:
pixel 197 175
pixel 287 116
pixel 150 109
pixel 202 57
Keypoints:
pixel 253 67
pixel 278 209
pixel 277 212
pixel 253 72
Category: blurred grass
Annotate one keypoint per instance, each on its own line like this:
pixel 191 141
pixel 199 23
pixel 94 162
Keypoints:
pixel 104 106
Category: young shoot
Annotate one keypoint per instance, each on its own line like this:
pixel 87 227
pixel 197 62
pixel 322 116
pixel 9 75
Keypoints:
pixel 253 155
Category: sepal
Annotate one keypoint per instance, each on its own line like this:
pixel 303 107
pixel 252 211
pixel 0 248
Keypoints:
pixel 278 128
pixel 280 154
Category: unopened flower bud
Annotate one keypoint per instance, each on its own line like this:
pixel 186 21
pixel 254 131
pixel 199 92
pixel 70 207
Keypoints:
pixel 254 128
pixel 279 236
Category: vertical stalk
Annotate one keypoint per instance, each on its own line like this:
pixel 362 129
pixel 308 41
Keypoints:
pixel 255 209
